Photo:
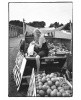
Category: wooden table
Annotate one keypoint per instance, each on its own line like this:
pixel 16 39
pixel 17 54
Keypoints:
pixel 49 57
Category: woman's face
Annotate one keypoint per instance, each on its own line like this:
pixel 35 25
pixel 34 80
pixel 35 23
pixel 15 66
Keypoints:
pixel 37 34
pixel 35 37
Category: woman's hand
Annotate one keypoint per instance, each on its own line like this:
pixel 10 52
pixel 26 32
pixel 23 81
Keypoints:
pixel 37 45
pixel 33 42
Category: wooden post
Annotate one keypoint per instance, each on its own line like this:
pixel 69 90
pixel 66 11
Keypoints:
pixel 23 26
pixel 9 31
pixel 71 37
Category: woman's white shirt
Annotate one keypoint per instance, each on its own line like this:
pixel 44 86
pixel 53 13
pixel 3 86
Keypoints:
pixel 41 40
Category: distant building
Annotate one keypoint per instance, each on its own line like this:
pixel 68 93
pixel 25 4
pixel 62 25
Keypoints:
pixel 15 31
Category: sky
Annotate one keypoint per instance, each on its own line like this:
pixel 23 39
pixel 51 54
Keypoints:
pixel 48 12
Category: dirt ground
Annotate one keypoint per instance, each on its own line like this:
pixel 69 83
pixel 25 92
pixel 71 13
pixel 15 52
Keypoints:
pixel 13 49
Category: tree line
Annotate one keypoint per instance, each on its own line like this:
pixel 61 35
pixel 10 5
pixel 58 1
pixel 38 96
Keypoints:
pixel 40 24
pixel 16 22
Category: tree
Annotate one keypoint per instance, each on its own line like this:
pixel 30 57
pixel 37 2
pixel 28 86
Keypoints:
pixel 51 25
pixel 37 24
pixel 56 25
pixel 16 22
pixel 67 27
pixel 60 25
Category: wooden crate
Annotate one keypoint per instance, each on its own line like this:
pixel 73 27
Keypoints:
pixel 18 70
pixel 32 86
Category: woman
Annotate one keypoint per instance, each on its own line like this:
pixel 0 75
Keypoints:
pixel 40 46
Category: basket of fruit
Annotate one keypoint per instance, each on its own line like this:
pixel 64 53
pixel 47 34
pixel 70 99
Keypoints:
pixel 51 85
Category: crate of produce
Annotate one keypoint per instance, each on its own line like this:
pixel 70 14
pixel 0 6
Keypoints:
pixel 50 85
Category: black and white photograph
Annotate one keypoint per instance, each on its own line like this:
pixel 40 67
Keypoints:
pixel 40 48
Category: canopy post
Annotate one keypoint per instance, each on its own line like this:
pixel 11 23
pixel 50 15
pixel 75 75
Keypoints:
pixel 71 36
pixel 23 26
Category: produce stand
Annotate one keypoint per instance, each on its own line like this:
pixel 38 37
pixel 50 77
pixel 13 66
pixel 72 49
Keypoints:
pixel 57 59
pixel 20 67
pixel 50 64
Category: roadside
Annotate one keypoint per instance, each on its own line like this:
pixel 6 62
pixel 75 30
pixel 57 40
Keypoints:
pixel 13 50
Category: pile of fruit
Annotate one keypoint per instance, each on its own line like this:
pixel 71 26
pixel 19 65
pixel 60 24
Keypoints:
pixel 52 86
pixel 57 48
